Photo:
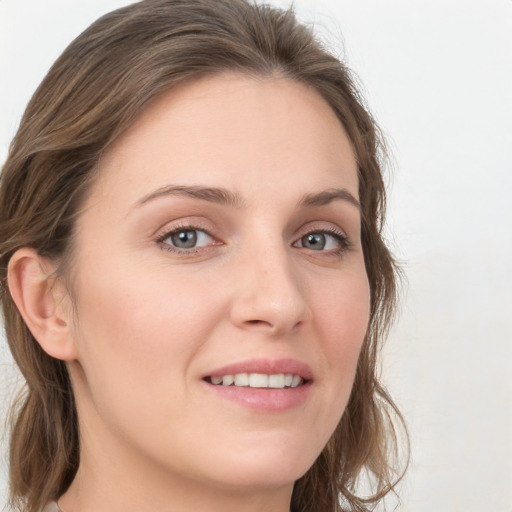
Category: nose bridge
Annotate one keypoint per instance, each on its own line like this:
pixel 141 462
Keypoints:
pixel 268 290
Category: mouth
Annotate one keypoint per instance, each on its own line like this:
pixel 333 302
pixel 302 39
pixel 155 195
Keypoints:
pixel 258 380
pixel 265 385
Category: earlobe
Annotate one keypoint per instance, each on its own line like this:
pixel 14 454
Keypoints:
pixel 41 302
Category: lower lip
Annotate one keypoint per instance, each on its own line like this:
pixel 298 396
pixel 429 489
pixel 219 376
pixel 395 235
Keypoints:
pixel 263 399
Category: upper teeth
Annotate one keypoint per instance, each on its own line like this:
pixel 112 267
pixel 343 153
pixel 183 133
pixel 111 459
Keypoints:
pixel 259 380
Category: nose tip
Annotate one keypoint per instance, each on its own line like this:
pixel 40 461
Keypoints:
pixel 271 300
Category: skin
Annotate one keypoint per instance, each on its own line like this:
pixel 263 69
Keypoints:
pixel 149 322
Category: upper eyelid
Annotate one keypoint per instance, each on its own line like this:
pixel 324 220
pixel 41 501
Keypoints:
pixel 167 230
pixel 307 228
pixel 331 229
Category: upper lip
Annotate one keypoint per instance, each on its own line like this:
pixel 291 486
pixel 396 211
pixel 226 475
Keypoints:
pixel 264 366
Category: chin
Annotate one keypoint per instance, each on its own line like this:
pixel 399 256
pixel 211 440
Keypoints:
pixel 270 466
pixel 259 477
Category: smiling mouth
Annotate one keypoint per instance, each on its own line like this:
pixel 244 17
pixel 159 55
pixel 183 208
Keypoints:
pixel 258 380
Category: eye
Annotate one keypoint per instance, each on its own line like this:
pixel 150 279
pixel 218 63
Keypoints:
pixel 333 241
pixel 186 238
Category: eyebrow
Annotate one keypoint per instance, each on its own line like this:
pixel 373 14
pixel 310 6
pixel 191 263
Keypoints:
pixel 328 196
pixel 211 194
pixel 233 199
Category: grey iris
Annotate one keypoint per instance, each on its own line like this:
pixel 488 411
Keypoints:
pixel 315 241
pixel 184 239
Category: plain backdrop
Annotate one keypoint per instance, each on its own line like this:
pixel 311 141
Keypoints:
pixel 437 75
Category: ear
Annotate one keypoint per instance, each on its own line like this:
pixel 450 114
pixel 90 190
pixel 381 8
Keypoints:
pixel 42 302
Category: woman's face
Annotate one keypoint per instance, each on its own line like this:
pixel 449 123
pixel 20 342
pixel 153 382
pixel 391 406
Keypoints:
pixel 221 241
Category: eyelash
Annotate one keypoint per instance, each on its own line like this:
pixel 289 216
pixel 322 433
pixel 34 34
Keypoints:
pixel 341 238
pixel 178 250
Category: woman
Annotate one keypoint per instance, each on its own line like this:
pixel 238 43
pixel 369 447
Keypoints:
pixel 195 285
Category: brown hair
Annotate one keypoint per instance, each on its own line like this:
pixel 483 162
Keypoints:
pixel 93 92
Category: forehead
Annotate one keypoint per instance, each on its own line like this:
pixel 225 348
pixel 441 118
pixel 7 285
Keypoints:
pixel 232 130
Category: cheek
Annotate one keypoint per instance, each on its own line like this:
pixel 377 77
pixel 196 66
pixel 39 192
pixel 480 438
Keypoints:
pixel 343 307
pixel 139 330
pixel 343 315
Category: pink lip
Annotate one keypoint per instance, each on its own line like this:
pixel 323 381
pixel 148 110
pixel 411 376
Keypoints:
pixel 264 400
pixel 268 366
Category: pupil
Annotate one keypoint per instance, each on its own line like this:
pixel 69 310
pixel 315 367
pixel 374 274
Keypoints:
pixel 314 241
pixel 184 239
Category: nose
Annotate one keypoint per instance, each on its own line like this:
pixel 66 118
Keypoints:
pixel 268 294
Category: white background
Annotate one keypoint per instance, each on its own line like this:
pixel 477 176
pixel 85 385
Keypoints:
pixel 437 75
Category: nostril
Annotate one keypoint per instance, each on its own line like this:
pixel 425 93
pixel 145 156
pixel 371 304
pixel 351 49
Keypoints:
pixel 258 322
